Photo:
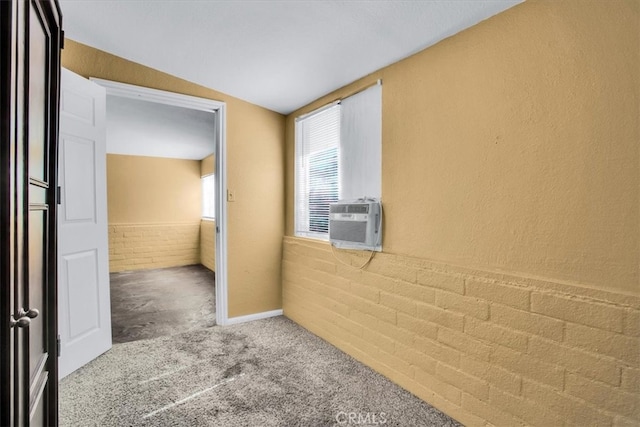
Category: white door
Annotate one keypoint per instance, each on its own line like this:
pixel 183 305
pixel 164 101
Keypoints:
pixel 84 317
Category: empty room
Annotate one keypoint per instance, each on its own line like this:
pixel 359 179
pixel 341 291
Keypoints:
pixel 403 213
pixel 160 216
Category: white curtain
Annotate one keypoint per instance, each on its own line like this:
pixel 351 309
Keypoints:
pixel 361 145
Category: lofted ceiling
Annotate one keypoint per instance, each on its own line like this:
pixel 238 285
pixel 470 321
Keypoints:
pixel 279 54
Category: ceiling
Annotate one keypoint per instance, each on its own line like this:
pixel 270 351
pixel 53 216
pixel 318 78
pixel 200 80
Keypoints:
pixel 142 128
pixel 279 54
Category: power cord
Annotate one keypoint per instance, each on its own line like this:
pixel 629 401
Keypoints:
pixel 349 265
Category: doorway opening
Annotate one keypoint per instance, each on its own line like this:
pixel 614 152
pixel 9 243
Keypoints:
pixel 204 125
pixel 160 180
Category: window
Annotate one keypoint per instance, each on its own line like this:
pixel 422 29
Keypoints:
pixel 338 156
pixel 208 197
pixel 318 141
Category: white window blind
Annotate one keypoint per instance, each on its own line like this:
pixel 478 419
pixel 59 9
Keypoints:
pixel 361 145
pixel 317 157
pixel 208 197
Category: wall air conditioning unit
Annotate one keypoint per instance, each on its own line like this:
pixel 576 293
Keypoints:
pixel 356 224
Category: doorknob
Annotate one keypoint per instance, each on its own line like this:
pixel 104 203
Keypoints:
pixel 22 322
pixel 24 317
pixel 31 313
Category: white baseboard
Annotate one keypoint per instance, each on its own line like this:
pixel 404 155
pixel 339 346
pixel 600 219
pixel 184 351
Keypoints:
pixel 252 317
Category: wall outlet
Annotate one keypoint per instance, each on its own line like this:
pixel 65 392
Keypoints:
pixel 231 196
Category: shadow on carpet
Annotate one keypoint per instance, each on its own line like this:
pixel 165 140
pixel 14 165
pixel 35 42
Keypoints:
pixel 265 373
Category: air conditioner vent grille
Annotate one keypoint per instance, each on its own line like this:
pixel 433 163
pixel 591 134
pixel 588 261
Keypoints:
pixel 348 230
pixel 356 224
pixel 349 208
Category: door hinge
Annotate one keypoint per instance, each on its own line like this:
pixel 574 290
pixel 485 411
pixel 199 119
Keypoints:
pixel 59 347
pixel 61 39
pixel 59 195
pixel 217 229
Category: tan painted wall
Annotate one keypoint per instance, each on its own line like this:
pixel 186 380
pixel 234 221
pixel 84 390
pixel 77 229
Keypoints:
pixel 154 207
pixel 477 345
pixel 145 246
pixel 153 189
pixel 208 165
pixel 514 145
pixel 208 244
pixel 508 290
pixel 255 165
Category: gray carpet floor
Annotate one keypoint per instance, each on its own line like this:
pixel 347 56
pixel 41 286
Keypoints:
pixel 151 303
pixel 270 372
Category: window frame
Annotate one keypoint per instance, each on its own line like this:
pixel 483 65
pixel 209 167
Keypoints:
pixel 359 154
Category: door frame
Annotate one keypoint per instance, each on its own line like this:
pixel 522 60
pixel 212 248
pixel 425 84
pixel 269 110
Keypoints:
pixel 220 143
